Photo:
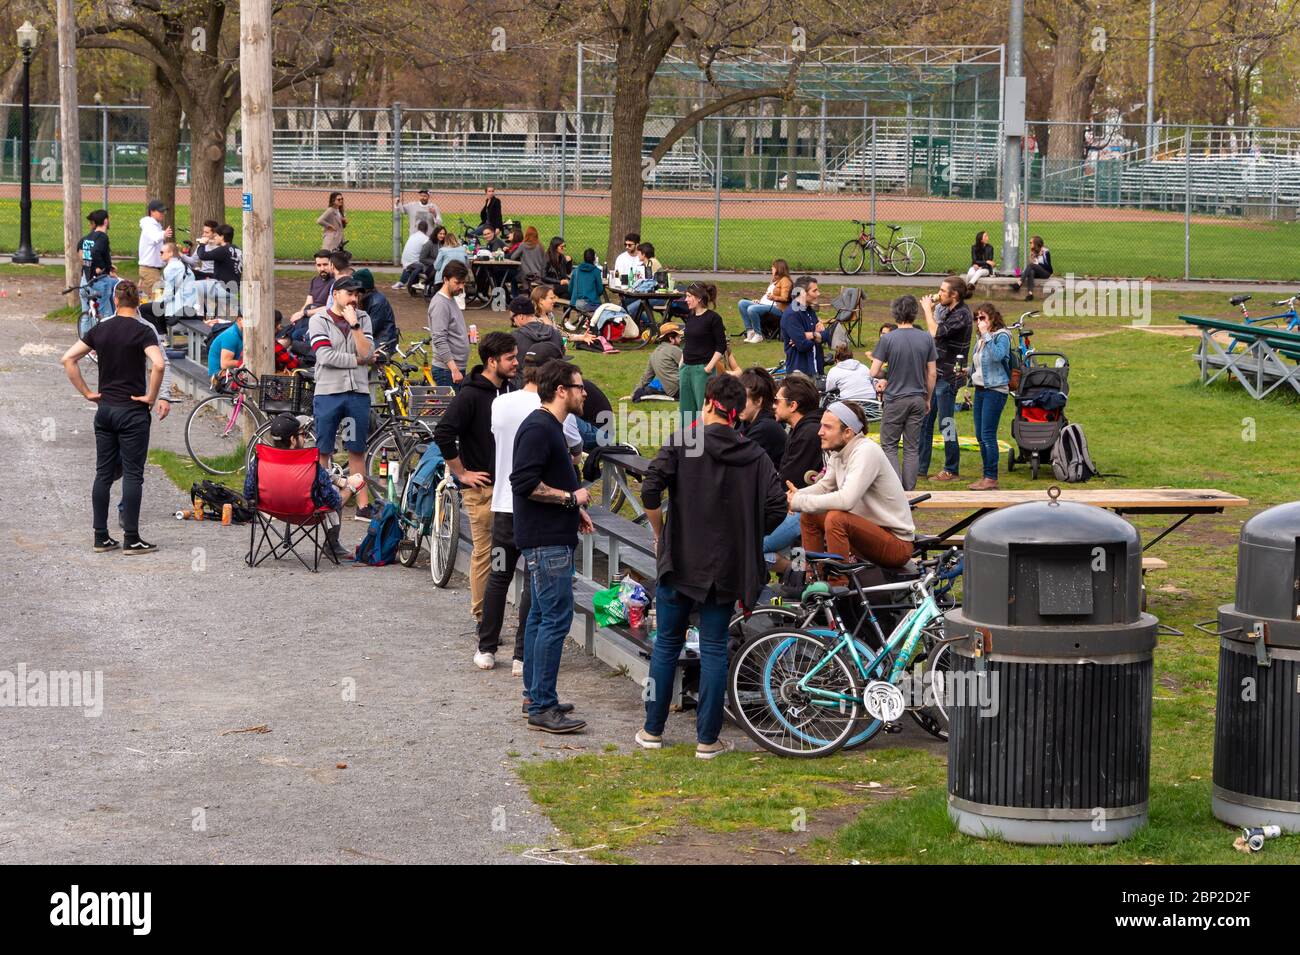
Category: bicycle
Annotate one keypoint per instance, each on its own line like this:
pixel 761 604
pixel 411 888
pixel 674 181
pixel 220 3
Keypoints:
pixel 903 254
pixel 809 692
pixel 1291 316
pixel 1024 346
pixel 91 312
pixel 440 520
pixel 216 427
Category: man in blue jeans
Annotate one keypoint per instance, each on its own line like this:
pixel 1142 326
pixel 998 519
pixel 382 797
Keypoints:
pixel 725 499
pixel 548 514
pixel 949 321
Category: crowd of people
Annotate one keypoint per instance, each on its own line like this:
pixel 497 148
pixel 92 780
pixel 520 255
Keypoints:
pixel 757 465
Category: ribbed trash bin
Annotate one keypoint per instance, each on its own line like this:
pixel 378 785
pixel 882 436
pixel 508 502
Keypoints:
pixel 1257 716
pixel 1050 687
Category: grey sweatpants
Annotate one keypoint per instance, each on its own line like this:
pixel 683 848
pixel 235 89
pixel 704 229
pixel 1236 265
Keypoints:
pixel 902 418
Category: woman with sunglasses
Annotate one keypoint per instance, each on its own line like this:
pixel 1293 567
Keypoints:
pixel 991 376
pixel 704 343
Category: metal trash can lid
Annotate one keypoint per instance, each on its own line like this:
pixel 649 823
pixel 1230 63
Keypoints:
pixel 1276 527
pixel 1049 523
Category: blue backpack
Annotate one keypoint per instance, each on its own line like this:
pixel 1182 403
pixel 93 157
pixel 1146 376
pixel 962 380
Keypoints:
pixel 379 546
pixel 425 480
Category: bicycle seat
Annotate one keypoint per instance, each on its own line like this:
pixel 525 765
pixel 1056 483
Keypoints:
pixel 1026 333
pixel 1238 299
pixel 820 589
pixel 408 369
pixel 893 228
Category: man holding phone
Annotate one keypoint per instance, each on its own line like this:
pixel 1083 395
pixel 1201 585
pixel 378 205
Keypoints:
pixel 949 321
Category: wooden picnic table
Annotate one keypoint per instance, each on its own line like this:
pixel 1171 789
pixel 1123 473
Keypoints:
pixel 1186 502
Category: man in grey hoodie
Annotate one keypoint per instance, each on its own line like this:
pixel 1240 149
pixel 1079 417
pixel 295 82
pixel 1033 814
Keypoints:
pixel 450 337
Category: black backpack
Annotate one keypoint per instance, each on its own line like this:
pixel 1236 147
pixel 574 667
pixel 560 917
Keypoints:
pixel 213 497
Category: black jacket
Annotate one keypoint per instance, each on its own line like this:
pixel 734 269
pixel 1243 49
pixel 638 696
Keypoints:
pixel 490 214
pixel 803 451
pixel 465 430
pixel 767 433
pixel 383 324
pixel 724 502
pixel 545 341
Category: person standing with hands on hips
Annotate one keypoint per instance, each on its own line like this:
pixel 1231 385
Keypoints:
pixel 332 222
pixel 342 341
pixel 122 344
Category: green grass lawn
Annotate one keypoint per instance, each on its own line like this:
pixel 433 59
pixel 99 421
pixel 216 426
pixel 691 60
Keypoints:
pixel 1090 245
pixel 1149 423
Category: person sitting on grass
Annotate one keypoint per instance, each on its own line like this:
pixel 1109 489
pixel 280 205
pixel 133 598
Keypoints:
pixel 660 380
pixel 287 433
pixel 587 289
pixel 849 377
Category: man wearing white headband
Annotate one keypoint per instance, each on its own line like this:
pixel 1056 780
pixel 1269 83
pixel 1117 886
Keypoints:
pixel 859 507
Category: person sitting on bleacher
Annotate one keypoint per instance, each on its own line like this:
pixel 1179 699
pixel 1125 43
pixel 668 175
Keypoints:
pixel 179 299
pixel 858 507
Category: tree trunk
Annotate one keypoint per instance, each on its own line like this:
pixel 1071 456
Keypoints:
pixel 164 139
pixel 207 163
pixel 1073 80
pixel 631 103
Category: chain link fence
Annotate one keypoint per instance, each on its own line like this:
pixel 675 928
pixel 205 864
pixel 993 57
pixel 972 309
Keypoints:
pixel 736 191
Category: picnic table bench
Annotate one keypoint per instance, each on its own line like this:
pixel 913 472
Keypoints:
pixel 1260 357
pixel 1186 502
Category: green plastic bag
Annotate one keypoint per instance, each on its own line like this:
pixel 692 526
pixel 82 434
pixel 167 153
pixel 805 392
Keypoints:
pixel 609 608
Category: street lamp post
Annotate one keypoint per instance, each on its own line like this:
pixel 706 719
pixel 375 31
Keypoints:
pixel 27 37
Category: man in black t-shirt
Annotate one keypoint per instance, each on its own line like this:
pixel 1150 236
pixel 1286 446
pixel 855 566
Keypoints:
pixel 121 343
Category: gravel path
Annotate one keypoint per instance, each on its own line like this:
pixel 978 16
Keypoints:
pixel 191 644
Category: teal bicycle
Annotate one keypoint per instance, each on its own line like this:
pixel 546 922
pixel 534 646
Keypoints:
pixel 810 691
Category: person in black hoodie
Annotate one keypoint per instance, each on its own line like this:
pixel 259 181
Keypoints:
pixel 464 436
pixel 531 335
pixel 758 422
pixel 725 500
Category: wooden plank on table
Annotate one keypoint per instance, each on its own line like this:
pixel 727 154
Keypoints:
pixel 1099 497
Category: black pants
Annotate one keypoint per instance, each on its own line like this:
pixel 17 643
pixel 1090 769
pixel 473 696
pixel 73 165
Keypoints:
pixel 505 556
pixel 1034 272
pixel 121 446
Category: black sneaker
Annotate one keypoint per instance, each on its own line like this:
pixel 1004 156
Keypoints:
pixel 139 546
pixel 105 544
pixel 553 721
pixel 367 513
pixel 562 707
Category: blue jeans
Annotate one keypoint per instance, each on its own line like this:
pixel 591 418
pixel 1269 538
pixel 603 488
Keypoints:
pixel 674 615
pixel 943 411
pixel 988 407
pixel 107 308
pixel 409 274
pixel 751 314
pixel 786 535
pixel 441 375
pixel 593 436
pixel 550 582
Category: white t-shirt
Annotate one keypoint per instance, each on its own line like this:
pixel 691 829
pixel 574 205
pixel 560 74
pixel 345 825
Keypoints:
pixel 852 379
pixel 627 262
pixel 151 243
pixel 767 296
pixel 508 413
pixel 411 251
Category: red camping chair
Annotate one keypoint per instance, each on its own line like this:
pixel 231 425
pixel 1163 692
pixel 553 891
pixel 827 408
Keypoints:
pixel 284 482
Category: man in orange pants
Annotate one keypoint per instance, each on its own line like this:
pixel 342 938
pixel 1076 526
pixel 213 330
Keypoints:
pixel 859 506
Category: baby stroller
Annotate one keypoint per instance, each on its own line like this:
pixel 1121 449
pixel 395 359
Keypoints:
pixel 1040 410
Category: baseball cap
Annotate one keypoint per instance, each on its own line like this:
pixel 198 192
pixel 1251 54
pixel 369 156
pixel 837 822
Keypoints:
pixel 366 279
pixel 668 328
pixel 522 305
pixel 285 426
pixel 157 206
pixel 349 283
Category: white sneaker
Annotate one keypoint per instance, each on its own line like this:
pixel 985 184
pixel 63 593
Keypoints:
pixel 398 285
pixel 484 661
pixel 646 741
pixel 755 338
pixel 517 668
pixel 713 750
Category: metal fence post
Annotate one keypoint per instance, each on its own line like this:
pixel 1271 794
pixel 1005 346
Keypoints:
pixel 1024 202
pixel 564 160
pixel 717 192
pixel 103 151
pixel 1187 203
pixel 395 140
pixel 872 215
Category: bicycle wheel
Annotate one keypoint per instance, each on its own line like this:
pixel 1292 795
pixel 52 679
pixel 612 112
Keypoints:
pixel 444 537
pixel 907 258
pixel 933 715
pixel 778 714
pixel 401 441
pixel 414 528
pixel 852 257
pixel 215 433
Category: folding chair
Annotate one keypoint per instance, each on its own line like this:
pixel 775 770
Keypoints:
pixel 284 481
pixel 848 315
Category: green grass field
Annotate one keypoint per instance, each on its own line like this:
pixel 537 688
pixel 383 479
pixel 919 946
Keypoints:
pixel 1149 424
pixel 1090 246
